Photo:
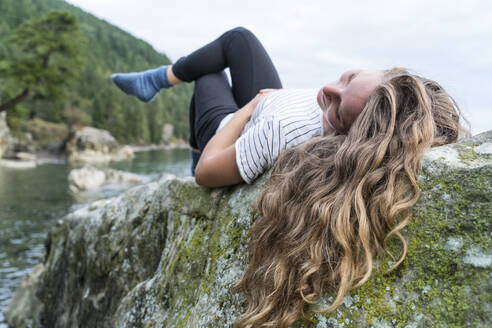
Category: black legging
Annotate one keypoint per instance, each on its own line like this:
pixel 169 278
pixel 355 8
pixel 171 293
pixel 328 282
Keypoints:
pixel 251 70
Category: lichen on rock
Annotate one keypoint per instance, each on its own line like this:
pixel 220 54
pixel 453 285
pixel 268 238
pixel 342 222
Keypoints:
pixel 165 254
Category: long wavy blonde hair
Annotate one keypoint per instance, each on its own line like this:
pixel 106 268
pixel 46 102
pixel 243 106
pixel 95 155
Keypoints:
pixel 331 204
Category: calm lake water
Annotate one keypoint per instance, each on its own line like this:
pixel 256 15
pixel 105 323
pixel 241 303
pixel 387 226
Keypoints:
pixel 31 200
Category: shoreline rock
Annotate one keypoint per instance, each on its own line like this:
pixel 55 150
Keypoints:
pixel 166 253
pixel 17 164
pixel 91 145
pixel 23 156
pixel 90 156
pixel 89 177
pixel 85 145
pixel 31 160
pixel 47 157
pixel 180 144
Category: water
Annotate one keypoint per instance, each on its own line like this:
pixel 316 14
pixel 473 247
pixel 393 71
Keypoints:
pixel 31 200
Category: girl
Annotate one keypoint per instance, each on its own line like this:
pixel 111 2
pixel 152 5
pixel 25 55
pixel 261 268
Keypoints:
pixel 345 163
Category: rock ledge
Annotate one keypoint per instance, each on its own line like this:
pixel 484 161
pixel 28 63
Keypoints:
pixel 166 253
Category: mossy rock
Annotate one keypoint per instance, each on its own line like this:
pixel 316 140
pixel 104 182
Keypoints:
pixel 165 254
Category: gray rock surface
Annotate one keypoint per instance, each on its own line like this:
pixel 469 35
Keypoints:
pixel 89 177
pixel 17 164
pixel 164 254
pixel 91 145
pixel 23 156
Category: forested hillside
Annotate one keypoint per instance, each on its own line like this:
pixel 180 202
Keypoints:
pixel 92 96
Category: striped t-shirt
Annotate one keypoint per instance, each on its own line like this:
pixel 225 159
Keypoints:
pixel 282 119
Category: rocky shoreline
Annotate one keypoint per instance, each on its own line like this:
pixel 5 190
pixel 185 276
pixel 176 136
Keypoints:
pixel 83 145
pixel 78 150
pixel 47 157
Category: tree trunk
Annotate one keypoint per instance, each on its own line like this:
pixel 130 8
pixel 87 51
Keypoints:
pixel 11 103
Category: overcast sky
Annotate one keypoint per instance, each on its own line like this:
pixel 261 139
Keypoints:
pixel 313 42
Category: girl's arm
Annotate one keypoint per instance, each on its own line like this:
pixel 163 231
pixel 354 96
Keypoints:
pixel 217 166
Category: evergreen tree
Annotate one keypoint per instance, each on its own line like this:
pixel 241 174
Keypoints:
pixel 107 49
pixel 43 58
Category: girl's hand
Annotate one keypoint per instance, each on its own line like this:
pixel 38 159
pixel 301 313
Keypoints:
pixel 263 91
pixel 250 107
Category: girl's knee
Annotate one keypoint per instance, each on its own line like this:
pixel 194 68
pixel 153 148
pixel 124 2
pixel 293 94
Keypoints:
pixel 240 30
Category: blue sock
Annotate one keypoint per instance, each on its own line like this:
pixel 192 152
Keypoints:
pixel 143 85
